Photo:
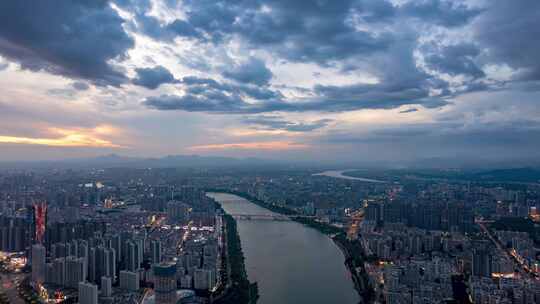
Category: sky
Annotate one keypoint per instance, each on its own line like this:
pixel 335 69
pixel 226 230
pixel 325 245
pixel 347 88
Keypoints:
pixel 381 80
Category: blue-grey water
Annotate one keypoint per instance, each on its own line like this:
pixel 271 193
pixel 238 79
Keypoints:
pixel 291 263
pixel 339 174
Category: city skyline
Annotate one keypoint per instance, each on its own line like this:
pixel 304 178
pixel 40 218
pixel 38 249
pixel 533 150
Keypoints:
pixel 351 80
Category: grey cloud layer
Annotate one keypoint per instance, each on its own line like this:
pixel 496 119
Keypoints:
pixel 510 30
pixel 152 78
pixel 71 38
pixel 252 71
pixel 276 123
pixel 353 35
pixel 376 36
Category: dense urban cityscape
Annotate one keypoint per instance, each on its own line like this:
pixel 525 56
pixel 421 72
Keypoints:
pixel 269 151
pixel 123 235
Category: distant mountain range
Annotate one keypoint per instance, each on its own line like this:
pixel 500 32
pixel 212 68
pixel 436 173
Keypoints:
pixel 197 161
pixel 114 160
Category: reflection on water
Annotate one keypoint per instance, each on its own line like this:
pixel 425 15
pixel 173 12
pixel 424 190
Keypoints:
pixel 291 263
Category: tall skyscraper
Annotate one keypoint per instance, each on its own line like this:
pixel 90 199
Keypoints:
pixel 40 217
pixel 59 271
pixel 38 263
pixel 155 250
pixel 92 264
pixel 133 258
pixel 374 212
pixel 88 293
pixel 129 280
pixel 106 287
pixel 107 265
pixel 116 244
pixel 75 271
pixel 165 283
pixel 481 259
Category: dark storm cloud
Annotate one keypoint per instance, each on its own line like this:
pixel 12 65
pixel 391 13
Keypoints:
pixel 276 123
pixel 411 110
pixel 252 71
pixel 75 39
pixel 452 135
pixel 448 13
pixel 455 60
pixel 305 31
pixel 216 102
pixel 152 78
pixel 199 85
pixel 208 95
pixel 325 32
pixel 510 31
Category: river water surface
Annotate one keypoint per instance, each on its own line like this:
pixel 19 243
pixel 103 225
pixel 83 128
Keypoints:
pixel 339 174
pixel 291 263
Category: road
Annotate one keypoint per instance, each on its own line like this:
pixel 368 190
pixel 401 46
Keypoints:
pixel 523 270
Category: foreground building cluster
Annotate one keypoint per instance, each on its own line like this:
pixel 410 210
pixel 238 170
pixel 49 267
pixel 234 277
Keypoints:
pixel 128 254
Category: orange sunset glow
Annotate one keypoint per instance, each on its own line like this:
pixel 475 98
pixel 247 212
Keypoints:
pixel 68 138
pixel 271 145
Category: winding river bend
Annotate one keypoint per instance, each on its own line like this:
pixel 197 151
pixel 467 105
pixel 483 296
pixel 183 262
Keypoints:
pixel 291 263
pixel 339 174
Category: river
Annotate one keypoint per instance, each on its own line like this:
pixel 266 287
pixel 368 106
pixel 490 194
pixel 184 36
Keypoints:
pixel 291 263
pixel 339 174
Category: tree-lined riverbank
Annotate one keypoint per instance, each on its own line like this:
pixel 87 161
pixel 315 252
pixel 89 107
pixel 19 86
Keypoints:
pixel 239 289
pixel 351 250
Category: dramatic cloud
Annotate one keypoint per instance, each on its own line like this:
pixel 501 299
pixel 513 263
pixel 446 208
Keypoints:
pixel 202 86
pixel 253 71
pixel 373 79
pixel 441 12
pixel 510 31
pixel 76 39
pixel 316 31
pixel 152 78
pixel 276 123
pixel 455 60
pixel 272 145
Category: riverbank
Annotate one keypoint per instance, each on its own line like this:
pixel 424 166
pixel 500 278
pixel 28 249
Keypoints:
pixel 238 290
pixel 351 250
pixel 354 260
